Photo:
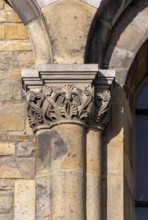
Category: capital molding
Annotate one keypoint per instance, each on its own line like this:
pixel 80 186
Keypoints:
pixel 76 94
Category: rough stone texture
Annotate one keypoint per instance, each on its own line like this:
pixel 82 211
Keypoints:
pixel 25 149
pixel 9 168
pixel 68 22
pixel 12 117
pixel 43 197
pixel 10 90
pixel 24 200
pixel 2 32
pixel 15 45
pixel 7 149
pixel 14 32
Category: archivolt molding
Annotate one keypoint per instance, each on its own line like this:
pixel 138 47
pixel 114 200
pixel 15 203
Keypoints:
pixel 128 36
pixel 104 20
pixel 31 16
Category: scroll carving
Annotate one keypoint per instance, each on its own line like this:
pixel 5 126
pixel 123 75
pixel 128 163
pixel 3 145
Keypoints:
pixel 102 102
pixel 53 105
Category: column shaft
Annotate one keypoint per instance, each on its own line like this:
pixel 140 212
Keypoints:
pixel 93 200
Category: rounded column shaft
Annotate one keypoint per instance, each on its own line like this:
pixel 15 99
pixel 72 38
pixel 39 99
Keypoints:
pixel 93 190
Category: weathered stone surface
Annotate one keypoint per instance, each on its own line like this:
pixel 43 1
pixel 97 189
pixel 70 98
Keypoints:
pixel 6 185
pixel 1 4
pixel 94 3
pixel 43 197
pixel 12 117
pixel 8 60
pixel 15 45
pixel 26 59
pixel 2 32
pixel 24 200
pixel 115 192
pixel 68 23
pixel 7 149
pixel 115 161
pixel 6 203
pixel 10 90
pixel 9 168
pixel 14 32
pixel 25 149
pixel 94 200
pixel 43 3
pixel 6 216
pixel 26 167
pixel 14 74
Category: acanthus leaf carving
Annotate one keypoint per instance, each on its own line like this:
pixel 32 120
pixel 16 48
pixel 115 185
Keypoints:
pixel 102 101
pixel 53 105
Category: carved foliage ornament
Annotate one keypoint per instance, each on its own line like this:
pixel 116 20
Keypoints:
pixel 53 105
pixel 102 103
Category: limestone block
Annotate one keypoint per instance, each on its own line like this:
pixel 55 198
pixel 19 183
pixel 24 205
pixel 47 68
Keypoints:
pixel 6 185
pixel 10 90
pixel 11 16
pixel 14 32
pixel 9 168
pixel 15 45
pixel 12 117
pixel 115 158
pixel 124 58
pixel 68 23
pixel 25 149
pixel 2 32
pixel 43 3
pixel 26 59
pixel 7 149
pixel 1 4
pixel 26 167
pixel 94 3
pixel 3 16
pixel 115 194
pixel 6 216
pixel 6 203
pixel 8 60
pixel 24 200
pixel 3 75
pixel 14 74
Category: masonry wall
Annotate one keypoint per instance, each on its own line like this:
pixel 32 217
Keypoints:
pixel 17 149
pixel 17 141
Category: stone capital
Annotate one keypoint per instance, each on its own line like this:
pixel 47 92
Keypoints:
pixel 75 94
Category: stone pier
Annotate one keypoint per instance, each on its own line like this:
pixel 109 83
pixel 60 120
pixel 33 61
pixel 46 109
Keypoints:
pixel 68 109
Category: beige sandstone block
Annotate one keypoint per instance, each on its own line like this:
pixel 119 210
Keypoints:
pixel 9 168
pixel 1 4
pixel 14 32
pixel 11 16
pixel 115 197
pixel 68 22
pixel 15 45
pixel 115 158
pixel 6 203
pixel 12 117
pixel 7 149
pixel 14 74
pixel 24 200
pixel 3 16
pixel 2 32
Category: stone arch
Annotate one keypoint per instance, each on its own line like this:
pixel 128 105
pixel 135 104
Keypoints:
pixel 127 37
pixel 36 27
pixel 103 22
